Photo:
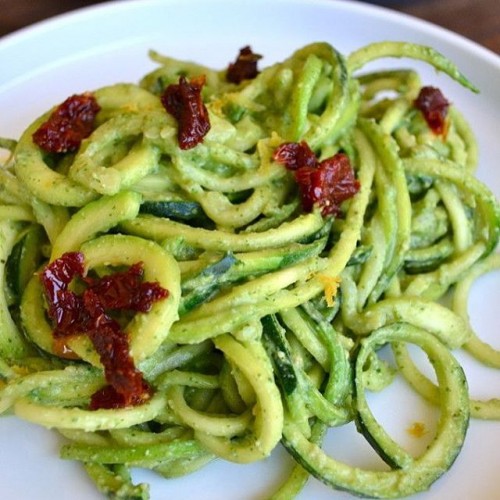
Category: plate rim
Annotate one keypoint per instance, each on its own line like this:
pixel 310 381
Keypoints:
pixel 40 27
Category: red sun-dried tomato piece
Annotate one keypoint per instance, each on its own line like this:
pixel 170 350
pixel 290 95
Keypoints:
pixel 67 126
pixel 183 101
pixel 109 398
pixel 295 155
pixel 434 106
pixel 112 345
pixel 86 313
pixel 245 66
pixel 336 179
pixel 327 183
pixel 65 307
pixel 126 290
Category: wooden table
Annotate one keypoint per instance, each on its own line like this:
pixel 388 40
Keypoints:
pixel 478 20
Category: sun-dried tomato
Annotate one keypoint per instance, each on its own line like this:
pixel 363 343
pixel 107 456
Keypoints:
pixel 434 106
pixel 65 307
pixel 295 155
pixel 335 177
pixel 245 66
pixel 183 101
pixel 109 398
pixel 327 183
pixel 70 123
pixel 126 290
pixel 86 313
pixel 112 345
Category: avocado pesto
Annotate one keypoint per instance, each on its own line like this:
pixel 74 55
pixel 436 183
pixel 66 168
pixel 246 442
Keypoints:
pixel 304 220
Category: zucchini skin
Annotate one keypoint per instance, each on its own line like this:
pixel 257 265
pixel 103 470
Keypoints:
pixel 24 260
pixel 178 210
pixel 231 268
pixel 13 345
pixel 409 475
pixel 203 286
pixel 276 346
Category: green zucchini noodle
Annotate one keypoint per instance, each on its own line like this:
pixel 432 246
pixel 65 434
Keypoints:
pixel 276 317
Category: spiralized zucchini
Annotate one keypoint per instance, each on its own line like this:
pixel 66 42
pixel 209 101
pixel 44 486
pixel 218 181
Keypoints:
pixel 276 318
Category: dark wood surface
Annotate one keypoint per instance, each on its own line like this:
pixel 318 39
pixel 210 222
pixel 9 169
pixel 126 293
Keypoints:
pixel 478 20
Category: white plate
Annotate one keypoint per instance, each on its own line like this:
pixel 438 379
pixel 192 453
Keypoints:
pixel 42 65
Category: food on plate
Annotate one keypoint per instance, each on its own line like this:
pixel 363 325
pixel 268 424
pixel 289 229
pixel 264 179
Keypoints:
pixel 209 263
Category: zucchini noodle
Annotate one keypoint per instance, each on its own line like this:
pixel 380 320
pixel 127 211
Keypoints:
pixel 276 318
